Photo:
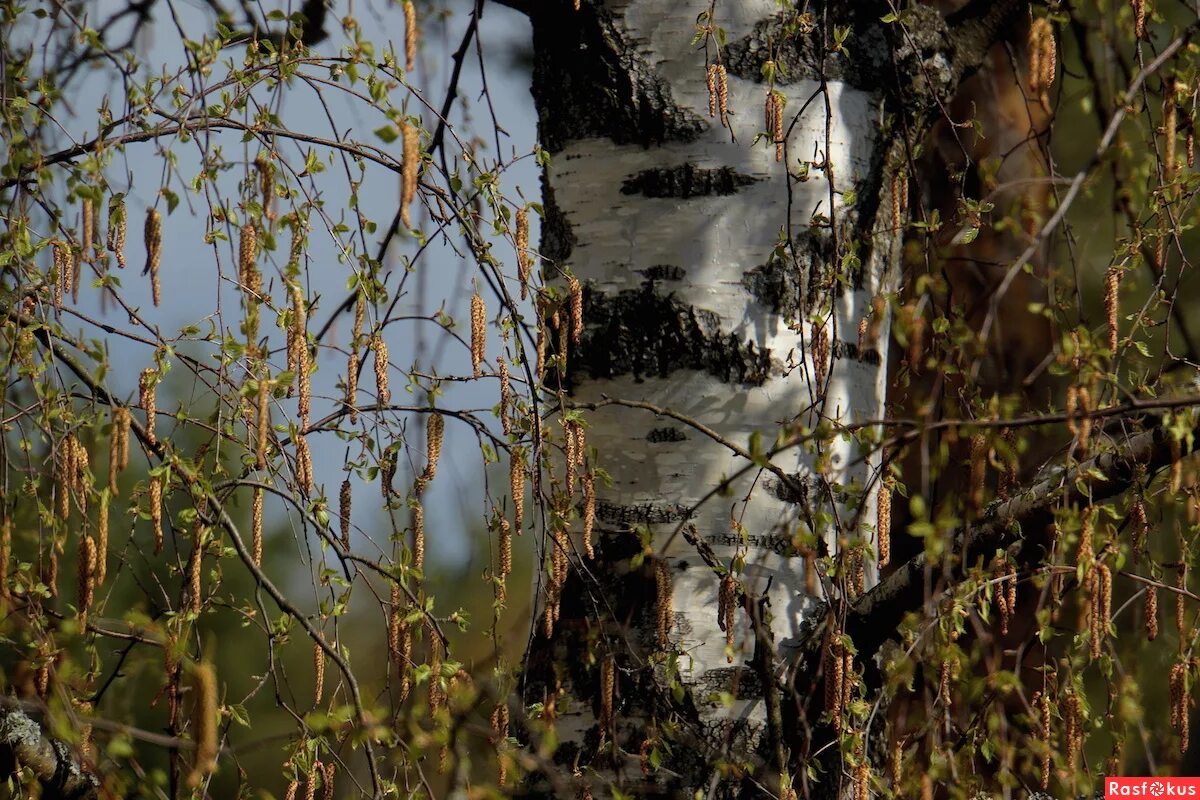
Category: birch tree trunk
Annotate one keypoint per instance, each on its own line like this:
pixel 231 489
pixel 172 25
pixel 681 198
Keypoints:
pixel 735 284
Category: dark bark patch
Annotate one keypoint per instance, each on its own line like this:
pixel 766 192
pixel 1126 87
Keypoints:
pixel 558 238
pixel 668 434
pixel 849 350
pixel 643 333
pixel 686 180
pixel 647 513
pixel 663 272
pixel 791 280
pixel 589 80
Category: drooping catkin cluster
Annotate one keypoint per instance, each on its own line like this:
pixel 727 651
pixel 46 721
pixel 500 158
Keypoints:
pixel 540 344
pixel 410 35
pixel 1139 18
pixel 608 684
pixel 1004 583
pixel 1101 608
pixel 380 349
pixel 883 521
pixel 195 567
pixel 360 315
pixel 156 522
pixel 101 541
pixel 297 350
pixel 500 720
pixel 147 400
pixel 1112 304
pixel 839 678
pixel 266 184
pixel 899 199
pixel 524 260
pixel 344 503
pixel 409 169
pixel 387 472
pixel 251 280
pixel 1181 702
pixel 1180 608
pixel 589 512
pixel 1041 703
pixel 478 334
pixel 505 547
pixel 516 485
pixel 1151 613
pixel 437 695
pixel 717 80
pixel 304 466
pixel 1043 57
pixel 506 397
pixel 62 273
pixel 861 785
pixel 114 239
pixel 435 433
pixel 1170 124
pixel 73 475
pixel 87 236
pixel 318 674
pixel 153 238
pixel 575 451
pixel 979 450
pixel 560 564
pixel 575 289
pixel 204 722
pixel 820 356
pixel 256 525
pixel 87 568
pixel 1078 411
pixel 665 614
pixel 418 533
pixel 774 121
pixel 727 611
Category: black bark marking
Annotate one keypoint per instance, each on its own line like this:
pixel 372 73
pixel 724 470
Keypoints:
pixel 663 272
pixel 643 333
pixel 558 238
pixel 686 180
pixel 792 281
pixel 590 80
pixel 849 350
pixel 647 513
pixel 668 434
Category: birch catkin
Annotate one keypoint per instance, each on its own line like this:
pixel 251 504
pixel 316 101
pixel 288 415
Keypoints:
pixel 204 722
pixel 410 35
pixel 506 397
pixel 1112 284
pixel 153 238
pixel 380 349
pixel 156 512
pixel 256 525
pixel 101 541
pixel 146 387
pixel 408 171
pixel 516 483
pixel 344 502
pixel 115 238
pixel 523 258
pixel 435 428
pixel 478 333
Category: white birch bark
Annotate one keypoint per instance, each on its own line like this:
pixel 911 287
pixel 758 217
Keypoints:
pixel 747 368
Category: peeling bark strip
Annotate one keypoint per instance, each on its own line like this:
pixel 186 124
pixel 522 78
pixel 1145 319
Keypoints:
pixel 698 306
pixel 684 181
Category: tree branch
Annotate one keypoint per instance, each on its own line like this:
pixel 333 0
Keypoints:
pixel 53 763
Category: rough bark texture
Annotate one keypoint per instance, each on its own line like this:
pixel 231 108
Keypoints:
pixel 722 287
